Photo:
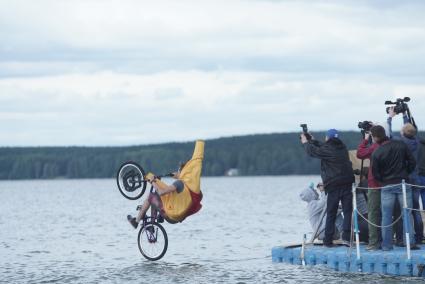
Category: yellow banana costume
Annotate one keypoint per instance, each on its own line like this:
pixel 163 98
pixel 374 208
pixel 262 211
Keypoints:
pixel 178 206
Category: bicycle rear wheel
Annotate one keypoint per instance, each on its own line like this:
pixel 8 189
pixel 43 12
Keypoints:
pixel 131 180
pixel 153 241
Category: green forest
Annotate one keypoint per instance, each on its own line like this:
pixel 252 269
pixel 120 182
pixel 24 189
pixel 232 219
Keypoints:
pixel 262 154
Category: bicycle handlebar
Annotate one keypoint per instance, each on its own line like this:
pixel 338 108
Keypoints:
pixel 161 176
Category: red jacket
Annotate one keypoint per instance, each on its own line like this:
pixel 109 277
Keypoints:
pixel 365 152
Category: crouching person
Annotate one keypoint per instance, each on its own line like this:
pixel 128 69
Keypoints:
pixel 316 206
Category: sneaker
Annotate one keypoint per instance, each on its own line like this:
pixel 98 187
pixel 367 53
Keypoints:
pixel 331 245
pixel 132 221
pixel 399 244
pixel 346 243
pixel 387 248
pixel 415 247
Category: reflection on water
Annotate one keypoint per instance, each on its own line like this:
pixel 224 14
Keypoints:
pixel 75 231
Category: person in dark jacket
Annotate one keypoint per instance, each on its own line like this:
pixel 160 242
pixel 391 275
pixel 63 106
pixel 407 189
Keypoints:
pixel 408 136
pixel 337 176
pixel 392 162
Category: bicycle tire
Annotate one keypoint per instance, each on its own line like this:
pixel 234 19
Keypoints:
pixel 121 179
pixel 148 246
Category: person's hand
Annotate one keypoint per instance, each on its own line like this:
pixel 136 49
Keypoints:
pixel 391 112
pixel 150 177
pixel 367 135
pixel 303 138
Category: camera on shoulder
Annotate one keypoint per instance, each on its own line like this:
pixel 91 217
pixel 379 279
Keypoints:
pixel 400 105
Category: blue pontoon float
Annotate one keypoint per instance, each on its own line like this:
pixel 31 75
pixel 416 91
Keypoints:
pixel 401 261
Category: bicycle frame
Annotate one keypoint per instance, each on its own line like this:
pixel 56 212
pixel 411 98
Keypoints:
pixel 154 217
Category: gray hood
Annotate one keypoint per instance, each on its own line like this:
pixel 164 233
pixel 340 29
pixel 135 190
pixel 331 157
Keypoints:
pixel 309 194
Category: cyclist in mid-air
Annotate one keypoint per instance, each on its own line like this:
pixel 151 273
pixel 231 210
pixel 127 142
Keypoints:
pixel 179 200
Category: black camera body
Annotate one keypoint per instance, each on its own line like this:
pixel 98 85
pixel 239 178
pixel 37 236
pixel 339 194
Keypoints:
pixel 365 125
pixel 400 105
pixel 305 131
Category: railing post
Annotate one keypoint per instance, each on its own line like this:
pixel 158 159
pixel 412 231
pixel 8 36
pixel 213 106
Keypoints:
pixel 356 224
pixel 303 250
pixel 406 219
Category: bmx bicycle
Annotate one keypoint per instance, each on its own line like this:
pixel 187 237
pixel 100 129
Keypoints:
pixel 152 238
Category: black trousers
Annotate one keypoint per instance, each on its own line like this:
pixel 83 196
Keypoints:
pixel 344 195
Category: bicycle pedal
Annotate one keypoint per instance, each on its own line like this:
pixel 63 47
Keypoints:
pixel 160 219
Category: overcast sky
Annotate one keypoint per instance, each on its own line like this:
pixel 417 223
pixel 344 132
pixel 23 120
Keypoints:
pixel 136 72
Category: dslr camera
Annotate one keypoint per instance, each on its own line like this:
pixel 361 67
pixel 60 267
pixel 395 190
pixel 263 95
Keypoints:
pixel 365 125
pixel 305 131
pixel 400 105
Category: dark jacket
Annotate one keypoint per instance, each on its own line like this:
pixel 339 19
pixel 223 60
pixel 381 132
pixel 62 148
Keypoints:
pixel 336 168
pixel 421 158
pixel 392 162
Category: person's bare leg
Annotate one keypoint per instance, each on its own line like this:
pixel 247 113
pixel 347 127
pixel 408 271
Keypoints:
pixel 143 210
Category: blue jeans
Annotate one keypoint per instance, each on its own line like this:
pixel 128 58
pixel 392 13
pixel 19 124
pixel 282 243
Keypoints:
pixel 417 217
pixel 389 195
pixel 421 181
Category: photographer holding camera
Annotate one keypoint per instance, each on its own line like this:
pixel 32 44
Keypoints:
pixel 408 136
pixel 391 163
pixel 337 176
pixel 365 151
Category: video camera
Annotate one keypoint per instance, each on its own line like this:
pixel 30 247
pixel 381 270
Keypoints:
pixel 365 125
pixel 400 105
pixel 305 131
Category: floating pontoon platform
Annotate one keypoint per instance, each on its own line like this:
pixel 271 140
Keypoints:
pixel 342 258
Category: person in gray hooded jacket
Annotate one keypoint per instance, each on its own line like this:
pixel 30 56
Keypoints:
pixel 316 204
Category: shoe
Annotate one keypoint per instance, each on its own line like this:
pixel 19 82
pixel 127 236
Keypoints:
pixel 346 243
pixel 132 221
pixel 331 245
pixel 372 247
pixel 415 247
pixel 399 244
pixel 386 249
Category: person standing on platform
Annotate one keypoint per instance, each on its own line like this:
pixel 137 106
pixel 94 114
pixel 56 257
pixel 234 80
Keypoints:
pixel 391 163
pixel 337 175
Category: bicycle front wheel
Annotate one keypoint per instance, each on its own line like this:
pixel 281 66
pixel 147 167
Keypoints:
pixel 153 241
pixel 131 180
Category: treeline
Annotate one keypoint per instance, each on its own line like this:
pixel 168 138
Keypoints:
pixel 265 154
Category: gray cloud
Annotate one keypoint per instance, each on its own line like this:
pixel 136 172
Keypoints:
pixel 109 72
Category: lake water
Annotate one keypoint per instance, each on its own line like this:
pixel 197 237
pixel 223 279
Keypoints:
pixel 75 231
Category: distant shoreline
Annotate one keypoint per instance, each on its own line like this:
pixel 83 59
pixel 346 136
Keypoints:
pixel 278 154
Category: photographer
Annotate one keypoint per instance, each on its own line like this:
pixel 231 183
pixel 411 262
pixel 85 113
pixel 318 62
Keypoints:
pixel 364 151
pixel 408 136
pixel 337 176
pixel 391 163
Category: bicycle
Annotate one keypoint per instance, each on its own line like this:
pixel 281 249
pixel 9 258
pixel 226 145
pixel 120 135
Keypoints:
pixel 152 239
